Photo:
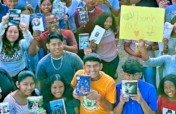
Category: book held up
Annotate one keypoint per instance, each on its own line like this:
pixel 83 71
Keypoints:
pixel 37 21
pixel 14 17
pixel 82 84
pixel 83 41
pixel 82 14
pixel 4 108
pixel 58 106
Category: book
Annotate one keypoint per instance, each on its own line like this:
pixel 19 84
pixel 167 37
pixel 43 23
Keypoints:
pixel 97 34
pixel 37 21
pixel 4 108
pixel 82 84
pixel 35 104
pixel 168 28
pixel 58 106
pixel 137 49
pixel 82 14
pixel 129 87
pixel 25 19
pixel 168 111
pixel 83 41
pixel 59 8
pixel 14 17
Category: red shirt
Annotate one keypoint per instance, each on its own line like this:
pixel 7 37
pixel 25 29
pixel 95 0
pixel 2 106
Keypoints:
pixel 68 39
pixel 164 102
pixel 92 17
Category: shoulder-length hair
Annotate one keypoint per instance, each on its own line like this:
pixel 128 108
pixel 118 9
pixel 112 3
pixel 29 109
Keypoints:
pixel 7 48
pixel 46 89
pixel 171 78
pixel 102 18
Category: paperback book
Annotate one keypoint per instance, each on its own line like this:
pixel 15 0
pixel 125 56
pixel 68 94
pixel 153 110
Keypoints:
pixel 97 34
pixel 129 87
pixel 83 41
pixel 58 106
pixel 168 28
pixel 82 84
pixel 14 17
pixel 4 108
pixel 35 104
pixel 82 14
pixel 59 8
pixel 37 21
pixel 25 19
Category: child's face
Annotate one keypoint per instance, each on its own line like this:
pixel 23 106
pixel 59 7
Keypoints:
pixel 46 6
pixel 12 34
pixel 57 89
pixel 11 4
pixel 108 23
pixel 26 86
pixel 169 89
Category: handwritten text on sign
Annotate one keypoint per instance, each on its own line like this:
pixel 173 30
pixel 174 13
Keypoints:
pixel 142 23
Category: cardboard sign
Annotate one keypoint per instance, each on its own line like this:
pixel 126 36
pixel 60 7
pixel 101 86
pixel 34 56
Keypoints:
pixel 142 23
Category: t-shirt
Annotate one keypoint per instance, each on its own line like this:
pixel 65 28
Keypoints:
pixel 3 11
pixel 113 3
pixel 148 93
pixel 92 17
pixel 105 86
pixel 15 106
pixel 170 12
pixel 68 39
pixel 69 64
pixel 164 102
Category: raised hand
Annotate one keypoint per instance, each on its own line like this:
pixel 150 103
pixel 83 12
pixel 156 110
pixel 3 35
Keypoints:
pixel 5 19
pixel 163 4
pixel 137 97
pixel 23 27
pixel 75 95
pixel 141 43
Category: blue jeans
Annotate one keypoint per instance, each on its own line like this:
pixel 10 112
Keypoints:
pixel 149 74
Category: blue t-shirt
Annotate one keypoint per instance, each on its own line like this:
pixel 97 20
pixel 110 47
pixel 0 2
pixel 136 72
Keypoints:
pixel 69 65
pixel 170 12
pixel 148 93
pixel 114 4
pixel 34 4
pixel 3 11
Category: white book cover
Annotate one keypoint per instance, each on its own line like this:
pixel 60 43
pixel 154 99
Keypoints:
pixel 97 34
pixel 25 19
pixel 129 87
pixel 37 21
pixel 4 108
pixel 168 111
pixel 168 28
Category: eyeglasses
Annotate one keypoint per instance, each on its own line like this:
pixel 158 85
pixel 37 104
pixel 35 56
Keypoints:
pixel 52 22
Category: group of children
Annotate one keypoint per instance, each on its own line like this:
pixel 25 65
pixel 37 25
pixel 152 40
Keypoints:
pixel 54 75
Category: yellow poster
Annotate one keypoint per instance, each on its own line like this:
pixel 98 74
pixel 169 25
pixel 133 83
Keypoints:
pixel 142 23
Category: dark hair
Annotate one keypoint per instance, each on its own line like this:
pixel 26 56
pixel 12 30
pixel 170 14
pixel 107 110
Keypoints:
pixel 132 67
pixel 30 9
pixel 7 48
pixel 46 89
pixel 6 83
pixel 92 57
pixel 25 74
pixel 45 0
pixel 54 35
pixel 171 78
pixel 102 18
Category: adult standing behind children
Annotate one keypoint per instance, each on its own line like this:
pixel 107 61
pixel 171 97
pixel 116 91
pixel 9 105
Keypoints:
pixel 13 47
pixel 102 93
pixel 51 24
pixel 58 61
pixel 145 101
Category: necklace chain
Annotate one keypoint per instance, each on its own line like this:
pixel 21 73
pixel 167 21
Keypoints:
pixel 59 66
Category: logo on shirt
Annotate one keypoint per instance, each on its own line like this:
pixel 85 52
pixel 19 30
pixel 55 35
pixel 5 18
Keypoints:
pixel 89 105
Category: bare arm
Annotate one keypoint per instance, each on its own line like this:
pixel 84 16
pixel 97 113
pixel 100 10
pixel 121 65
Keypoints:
pixel 73 49
pixel 34 49
pixel 143 50
pixel 129 51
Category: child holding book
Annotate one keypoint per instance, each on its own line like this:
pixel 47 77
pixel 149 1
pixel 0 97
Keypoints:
pixel 13 47
pixel 167 94
pixel 107 49
pixel 55 88
pixel 18 99
pixel 6 84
